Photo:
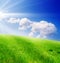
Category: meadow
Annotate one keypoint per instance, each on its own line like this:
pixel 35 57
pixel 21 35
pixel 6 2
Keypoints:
pixel 20 49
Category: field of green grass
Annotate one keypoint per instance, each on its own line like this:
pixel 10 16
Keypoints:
pixel 15 49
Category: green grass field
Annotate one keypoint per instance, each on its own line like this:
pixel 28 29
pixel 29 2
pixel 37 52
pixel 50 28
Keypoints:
pixel 15 49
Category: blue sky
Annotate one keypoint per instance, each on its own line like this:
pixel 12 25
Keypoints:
pixel 35 11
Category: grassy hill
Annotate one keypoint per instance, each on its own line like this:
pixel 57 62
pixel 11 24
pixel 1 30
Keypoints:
pixel 15 49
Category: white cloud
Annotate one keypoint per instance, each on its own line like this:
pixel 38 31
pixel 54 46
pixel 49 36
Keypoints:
pixel 31 34
pixel 42 28
pixel 13 20
pixel 36 29
pixel 24 24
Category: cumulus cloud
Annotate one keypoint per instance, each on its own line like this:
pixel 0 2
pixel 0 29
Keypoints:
pixel 36 29
pixel 24 24
pixel 42 29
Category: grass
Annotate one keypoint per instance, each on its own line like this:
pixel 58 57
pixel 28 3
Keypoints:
pixel 15 49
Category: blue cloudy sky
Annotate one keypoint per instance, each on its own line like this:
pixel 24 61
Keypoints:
pixel 35 18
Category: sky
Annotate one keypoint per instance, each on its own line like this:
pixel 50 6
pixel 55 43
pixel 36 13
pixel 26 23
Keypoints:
pixel 33 18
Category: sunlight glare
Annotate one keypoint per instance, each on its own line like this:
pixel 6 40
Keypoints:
pixel 2 15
